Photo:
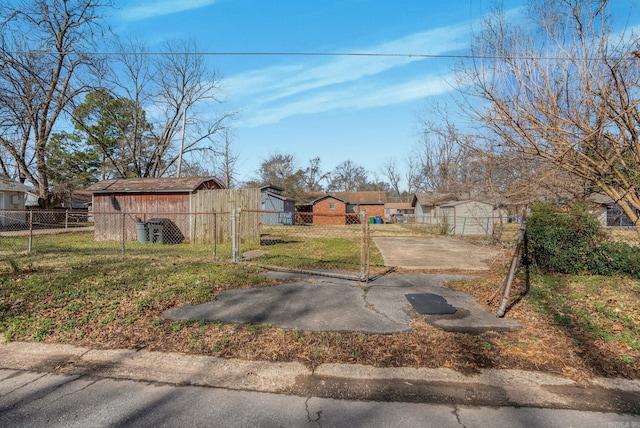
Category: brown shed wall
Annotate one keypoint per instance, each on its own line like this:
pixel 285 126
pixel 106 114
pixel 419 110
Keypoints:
pixel 109 209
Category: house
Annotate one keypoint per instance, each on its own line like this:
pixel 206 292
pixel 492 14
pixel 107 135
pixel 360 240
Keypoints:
pixel 12 200
pixel 345 207
pixel 283 208
pixel 391 209
pixel 138 199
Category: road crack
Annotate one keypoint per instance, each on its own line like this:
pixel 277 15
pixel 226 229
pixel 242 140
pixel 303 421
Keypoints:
pixel 456 413
pixel 318 414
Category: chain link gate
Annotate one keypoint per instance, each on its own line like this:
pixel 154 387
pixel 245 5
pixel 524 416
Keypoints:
pixel 329 245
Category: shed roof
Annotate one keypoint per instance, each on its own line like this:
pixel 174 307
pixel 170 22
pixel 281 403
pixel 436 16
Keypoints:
pixel 600 199
pixel 8 185
pixel 467 201
pixel 271 188
pixel 278 196
pixel 155 185
pixel 431 199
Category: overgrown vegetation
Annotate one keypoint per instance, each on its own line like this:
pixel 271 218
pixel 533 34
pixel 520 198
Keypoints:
pixel 572 241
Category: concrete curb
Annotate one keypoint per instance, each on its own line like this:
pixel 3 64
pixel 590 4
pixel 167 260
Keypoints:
pixel 488 387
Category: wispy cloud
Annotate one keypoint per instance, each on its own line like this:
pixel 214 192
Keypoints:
pixel 162 7
pixel 275 93
pixel 354 98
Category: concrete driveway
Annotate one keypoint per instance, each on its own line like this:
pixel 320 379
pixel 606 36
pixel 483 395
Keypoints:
pixel 328 304
pixel 435 253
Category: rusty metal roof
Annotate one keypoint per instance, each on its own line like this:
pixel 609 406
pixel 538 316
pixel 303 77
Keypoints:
pixel 154 185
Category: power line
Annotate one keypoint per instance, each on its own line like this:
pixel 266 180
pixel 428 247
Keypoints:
pixel 321 54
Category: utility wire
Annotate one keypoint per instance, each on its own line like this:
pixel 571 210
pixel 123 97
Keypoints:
pixel 322 54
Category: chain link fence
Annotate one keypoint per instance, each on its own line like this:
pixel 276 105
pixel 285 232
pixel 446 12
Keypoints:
pixel 334 245
pixel 331 245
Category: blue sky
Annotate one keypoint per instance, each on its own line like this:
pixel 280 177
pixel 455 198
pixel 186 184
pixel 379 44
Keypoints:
pixel 358 108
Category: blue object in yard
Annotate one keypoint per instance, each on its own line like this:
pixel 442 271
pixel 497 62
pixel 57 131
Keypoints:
pixel 378 219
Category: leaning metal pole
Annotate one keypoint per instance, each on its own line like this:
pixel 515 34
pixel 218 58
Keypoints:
pixel 515 262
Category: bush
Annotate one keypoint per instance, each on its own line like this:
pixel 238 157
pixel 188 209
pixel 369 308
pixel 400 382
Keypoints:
pixel 572 241
pixel 563 241
pixel 617 258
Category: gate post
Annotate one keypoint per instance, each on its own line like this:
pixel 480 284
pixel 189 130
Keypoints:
pixel 364 247
pixel 30 244
pixel 234 237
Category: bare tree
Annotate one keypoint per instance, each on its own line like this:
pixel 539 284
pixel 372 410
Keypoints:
pixel 349 177
pixel 444 157
pixel 226 163
pixel 393 175
pixel 412 175
pixel 185 84
pixel 559 88
pixel 43 45
pixel 313 176
pixel 172 100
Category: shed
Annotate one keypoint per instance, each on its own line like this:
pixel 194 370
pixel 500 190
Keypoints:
pixel 12 200
pixel 427 206
pixel 273 200
pixel 608 212
pixel 140 199
pixel 468 217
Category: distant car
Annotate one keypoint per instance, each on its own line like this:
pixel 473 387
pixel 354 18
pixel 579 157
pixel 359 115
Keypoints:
pixel 400 218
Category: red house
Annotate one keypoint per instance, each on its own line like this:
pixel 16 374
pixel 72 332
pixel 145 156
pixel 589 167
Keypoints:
pixel 345 207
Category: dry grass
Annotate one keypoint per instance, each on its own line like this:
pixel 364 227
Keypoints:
pixel 573 325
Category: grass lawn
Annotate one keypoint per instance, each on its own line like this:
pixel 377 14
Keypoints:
pixel 73 290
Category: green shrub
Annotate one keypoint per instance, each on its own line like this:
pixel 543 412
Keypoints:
pixel 562 241
pixel 572 241
pixel 617 258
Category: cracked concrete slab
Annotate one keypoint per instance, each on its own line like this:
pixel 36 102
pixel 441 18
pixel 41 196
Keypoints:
pixel 328 304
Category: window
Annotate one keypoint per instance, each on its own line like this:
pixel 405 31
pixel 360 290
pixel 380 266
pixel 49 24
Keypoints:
pixel 332 206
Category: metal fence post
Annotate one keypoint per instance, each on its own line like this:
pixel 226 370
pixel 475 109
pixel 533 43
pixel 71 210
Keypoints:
pixel 215 237
pixel 30 231
pixel 364 247
pixel 124 232
pixel 234 237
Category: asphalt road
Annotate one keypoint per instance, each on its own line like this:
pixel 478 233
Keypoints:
pixel 30 399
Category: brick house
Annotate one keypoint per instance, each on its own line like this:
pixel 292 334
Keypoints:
pixel 345 207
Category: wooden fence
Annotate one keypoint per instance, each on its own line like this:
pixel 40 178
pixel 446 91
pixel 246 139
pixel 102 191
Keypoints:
pixel 206 228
